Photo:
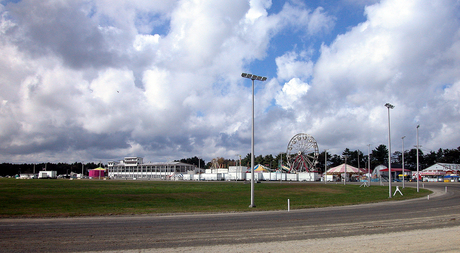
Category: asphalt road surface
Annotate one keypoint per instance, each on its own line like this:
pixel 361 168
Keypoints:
pixel 139 233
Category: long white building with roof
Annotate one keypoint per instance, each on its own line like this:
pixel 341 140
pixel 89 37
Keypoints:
pixel 135 168
pixel 441 172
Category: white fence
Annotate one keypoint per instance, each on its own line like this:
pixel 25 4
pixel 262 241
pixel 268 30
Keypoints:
pixel 222 175
pixel 260 176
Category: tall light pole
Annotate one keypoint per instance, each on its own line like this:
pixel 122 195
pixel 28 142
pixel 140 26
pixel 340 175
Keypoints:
pixel 325 166
pixel 345 171
pixel 403 172
pixel 417 160
pixel 389 106
pixel 369 162
pixel 358 161
pixel 237 170
pixel 258 78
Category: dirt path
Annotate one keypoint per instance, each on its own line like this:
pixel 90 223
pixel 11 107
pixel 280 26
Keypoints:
pixel 430 240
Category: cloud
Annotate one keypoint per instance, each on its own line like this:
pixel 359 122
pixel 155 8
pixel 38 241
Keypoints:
pixel 100 80
pixel 290 67
pixel 398 55
pixel 292 90
pixel 61 29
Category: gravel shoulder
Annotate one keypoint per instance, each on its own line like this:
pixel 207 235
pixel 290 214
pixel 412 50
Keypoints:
pixel 428 240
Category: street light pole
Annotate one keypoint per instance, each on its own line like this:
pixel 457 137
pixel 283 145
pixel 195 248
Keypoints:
pixel 389 106
pixel 369 163
pixel 258 78
pixel 417 161
pixel 325 166
pixel 403 172
pixel 345 171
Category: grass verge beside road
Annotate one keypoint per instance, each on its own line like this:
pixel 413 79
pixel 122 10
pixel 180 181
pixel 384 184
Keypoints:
pixel 62 198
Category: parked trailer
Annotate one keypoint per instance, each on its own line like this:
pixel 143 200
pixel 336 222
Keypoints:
pixel 211 176
pixel 232 176
pixel 188 177
pixel 257 176
pixel 308 176
pixel 281 176
pixel 292 177
pixel 47 174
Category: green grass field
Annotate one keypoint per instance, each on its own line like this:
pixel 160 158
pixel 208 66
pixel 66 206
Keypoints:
pixel 60 198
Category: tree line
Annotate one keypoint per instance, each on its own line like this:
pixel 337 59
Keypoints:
pixel 356 158
pixel 10 169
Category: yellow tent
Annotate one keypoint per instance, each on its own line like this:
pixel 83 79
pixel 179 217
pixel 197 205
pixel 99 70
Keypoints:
pixel 260 168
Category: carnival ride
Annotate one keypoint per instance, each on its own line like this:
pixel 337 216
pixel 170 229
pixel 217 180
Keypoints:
pixel 302 153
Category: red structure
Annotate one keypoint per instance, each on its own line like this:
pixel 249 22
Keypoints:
pixel 97 173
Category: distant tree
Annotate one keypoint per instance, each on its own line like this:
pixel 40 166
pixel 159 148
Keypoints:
pixel 221 162
pixel 451 156
pixel 348 154
pixel 335 160
pixel 430 159
pixel 198 162
pixel 270 161
pixel 281 157
pixel 259 160
pixel 246 161
pixel 8 169
pixel 396 157
pixel 410 159
pixel 321 161
pixel 355 158
pixel 379 156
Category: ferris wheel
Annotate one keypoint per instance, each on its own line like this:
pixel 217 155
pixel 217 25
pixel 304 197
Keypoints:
pixel 302 153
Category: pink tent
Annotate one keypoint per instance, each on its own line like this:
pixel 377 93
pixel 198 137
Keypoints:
pixel 99 172
pixel 341 169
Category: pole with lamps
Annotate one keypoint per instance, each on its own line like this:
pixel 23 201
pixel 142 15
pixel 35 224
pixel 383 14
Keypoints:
pixel 253 78
pixel 345 171
pixel 403 172
pixel 358 161
pixel 417 161
pixel 389 106
pixel 369 163
pixel 325 166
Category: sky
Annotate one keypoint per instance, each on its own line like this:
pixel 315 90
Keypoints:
pixel 99 80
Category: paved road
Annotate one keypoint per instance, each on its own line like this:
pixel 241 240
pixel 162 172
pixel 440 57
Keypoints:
pixel 149 232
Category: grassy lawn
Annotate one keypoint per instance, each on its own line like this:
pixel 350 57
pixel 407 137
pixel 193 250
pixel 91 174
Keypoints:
pixel 57 198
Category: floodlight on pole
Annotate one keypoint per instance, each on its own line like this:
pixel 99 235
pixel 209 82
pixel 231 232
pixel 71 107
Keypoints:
pixel 389 106
pixel 345 171
pixel 325 166
pixel 417 160
pixel 403 172
pixel 369 163
pixel 262 79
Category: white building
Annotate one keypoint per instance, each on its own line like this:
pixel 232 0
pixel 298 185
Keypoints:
pixel 441 172
pixel 135 168
pixel 47 174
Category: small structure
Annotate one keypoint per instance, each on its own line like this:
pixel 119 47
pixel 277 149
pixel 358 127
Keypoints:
pixel 344 170
pixel 27 176
pixel 439 172
pixel 97 173
pixel 381 172
pixel 260 168
pixel 135 168
pixel 47 174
